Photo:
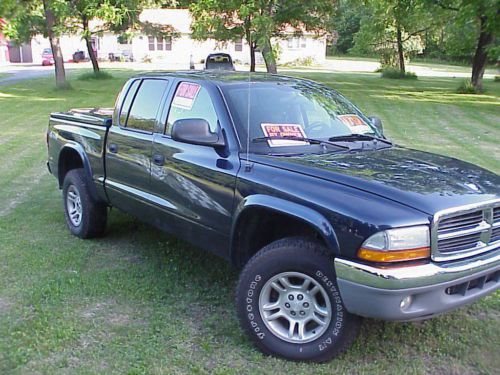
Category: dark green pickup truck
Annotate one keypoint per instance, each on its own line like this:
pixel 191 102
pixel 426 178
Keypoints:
pixel 286 179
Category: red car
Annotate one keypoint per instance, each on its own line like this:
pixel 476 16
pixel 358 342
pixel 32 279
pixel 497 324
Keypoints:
pixel 47 57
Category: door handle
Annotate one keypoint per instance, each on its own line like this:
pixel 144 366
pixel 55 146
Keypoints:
pixel 113 148
pixel 159 159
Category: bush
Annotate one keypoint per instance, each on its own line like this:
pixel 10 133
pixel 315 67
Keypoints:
pixel 497 79
pixel 396 74
pixel 306 61
pixel 95 75
pixel 466 87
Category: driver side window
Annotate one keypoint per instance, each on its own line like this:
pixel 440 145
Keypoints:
pixel 191 101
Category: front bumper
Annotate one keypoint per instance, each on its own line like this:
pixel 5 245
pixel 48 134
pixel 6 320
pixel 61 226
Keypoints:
pixel 377 292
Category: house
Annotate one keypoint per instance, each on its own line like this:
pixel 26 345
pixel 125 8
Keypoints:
pixel 4 45
pixel 183 48
pixel 178 51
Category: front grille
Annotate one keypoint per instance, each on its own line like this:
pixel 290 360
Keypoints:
pixel 459 233
pixel 461 221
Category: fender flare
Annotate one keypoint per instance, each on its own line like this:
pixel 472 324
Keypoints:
pixel 87 168
pixel 306 214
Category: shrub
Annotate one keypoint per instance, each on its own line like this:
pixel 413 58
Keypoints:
pixel 497 79
pixel 396 74
pixel 95 75
pixel 466 87
pixel 305 61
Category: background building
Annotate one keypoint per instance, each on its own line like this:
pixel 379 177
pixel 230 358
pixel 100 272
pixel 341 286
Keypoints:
pixel 177 51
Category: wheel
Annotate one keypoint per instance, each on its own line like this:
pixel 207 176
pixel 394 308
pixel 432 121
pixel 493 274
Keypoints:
pixel 85 217
pixel 289 303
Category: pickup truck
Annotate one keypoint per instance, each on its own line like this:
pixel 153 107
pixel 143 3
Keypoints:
pixel 328 220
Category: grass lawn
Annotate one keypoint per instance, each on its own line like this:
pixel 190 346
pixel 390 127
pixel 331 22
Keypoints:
pixel 138 301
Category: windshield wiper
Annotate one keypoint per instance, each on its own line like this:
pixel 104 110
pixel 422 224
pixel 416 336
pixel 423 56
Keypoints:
pixel 359 137
pixel 301 139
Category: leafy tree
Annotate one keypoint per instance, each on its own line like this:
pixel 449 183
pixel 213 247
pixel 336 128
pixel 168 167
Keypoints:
pixel 31 17
pixel 258 21
pixel 395 26
pixel 346 23
pixel 485 15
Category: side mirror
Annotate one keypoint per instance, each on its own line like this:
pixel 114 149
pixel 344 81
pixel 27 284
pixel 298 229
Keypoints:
pixel 196 131
pixel 377 123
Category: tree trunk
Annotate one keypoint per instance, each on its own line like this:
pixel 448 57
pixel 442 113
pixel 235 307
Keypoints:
pixel 88 42
pixel 50 20
pixel 251 43
pixel 401 55
pixel 252 57
pixel 480 56
pixel 269 58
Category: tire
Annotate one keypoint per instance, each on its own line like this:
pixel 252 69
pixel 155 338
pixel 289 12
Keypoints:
pixel 295 259
pixel 78 202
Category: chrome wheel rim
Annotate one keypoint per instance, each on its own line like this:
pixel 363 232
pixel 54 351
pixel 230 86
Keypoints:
pixel 295 307
pixel 74 205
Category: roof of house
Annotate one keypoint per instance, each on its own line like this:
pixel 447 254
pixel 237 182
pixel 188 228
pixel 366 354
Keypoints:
pixel 179 19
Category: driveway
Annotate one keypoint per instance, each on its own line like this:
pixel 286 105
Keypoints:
pixel 18 72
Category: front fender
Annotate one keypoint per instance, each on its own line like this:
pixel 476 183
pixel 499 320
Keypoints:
pixel 306 214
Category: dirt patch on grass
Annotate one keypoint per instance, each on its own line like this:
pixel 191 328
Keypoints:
pixel 22 191
pixel 111 314
pixel 5 305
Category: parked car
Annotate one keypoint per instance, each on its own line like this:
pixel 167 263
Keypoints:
pixel 47 57
pixel 290 182
pixel 219 61
pixel 79 56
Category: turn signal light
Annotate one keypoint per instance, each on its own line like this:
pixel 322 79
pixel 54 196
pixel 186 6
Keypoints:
pixel 394 255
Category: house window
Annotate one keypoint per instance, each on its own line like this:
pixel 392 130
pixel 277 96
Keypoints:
pixel 238 45
pixel 296 43
pixel 159 43
pixel 168 43
pixel 151 42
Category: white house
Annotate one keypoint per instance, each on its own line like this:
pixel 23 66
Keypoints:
pixel 181 49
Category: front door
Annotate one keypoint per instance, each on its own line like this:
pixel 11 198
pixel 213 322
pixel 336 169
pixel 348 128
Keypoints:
pixel 196 183
pixel 129 146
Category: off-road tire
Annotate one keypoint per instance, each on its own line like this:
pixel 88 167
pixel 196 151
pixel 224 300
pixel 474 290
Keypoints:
pixel 93 214
pixel 294 254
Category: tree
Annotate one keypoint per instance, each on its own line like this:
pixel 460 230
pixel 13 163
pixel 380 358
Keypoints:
pixel 395 26
pixel 485 15
pixel 259 21
pixel 113 15
pixel 31 17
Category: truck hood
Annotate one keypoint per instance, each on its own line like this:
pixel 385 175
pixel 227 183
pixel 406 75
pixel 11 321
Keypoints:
pixel 421 180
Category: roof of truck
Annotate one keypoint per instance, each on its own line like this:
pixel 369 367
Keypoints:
pixel 222 77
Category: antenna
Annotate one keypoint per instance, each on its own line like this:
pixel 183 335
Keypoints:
pixel 248 166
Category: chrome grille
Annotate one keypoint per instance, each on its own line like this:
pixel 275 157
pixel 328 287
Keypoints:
pixel 466 231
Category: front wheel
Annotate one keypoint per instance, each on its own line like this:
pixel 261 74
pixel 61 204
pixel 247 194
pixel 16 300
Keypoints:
pixel 289 303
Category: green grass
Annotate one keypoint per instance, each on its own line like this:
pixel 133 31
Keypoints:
pixel 100 75
pixel 139 301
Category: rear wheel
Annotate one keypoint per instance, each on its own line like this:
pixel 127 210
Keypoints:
pixel 85 217
pixel 288 302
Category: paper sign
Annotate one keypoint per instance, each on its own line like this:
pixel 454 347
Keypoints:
pixel 283 130
pixel 186 95
pixel 355 124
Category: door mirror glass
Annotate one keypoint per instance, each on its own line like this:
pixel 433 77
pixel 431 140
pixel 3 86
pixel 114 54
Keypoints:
pixel 197 132
pixel 377 123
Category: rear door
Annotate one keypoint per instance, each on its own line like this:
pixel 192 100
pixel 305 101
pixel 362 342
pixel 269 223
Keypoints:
pixel 196 183
pixel 129 146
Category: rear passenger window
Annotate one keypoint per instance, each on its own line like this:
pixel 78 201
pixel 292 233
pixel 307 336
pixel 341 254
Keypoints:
pixel 192 101
pixel 128 101
pixel 142 115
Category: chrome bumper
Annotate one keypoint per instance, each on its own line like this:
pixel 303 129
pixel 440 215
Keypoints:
pixel 378 291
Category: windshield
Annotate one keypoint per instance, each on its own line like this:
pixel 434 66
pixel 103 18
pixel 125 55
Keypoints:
pixel 287 109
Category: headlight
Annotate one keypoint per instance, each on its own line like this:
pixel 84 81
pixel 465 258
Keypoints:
pixel 396 245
